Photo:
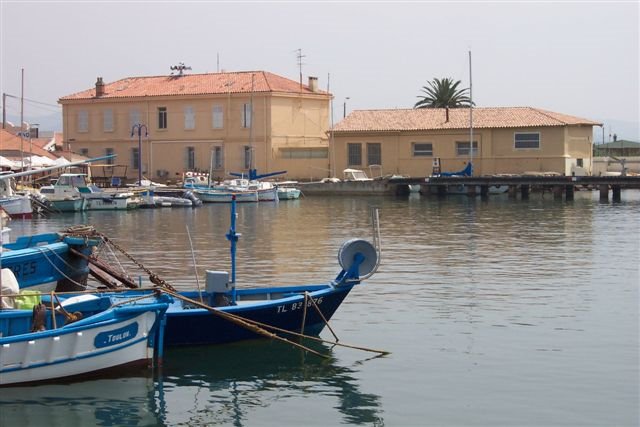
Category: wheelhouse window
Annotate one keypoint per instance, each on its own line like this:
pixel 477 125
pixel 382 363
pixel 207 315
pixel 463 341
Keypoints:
pixel 189 118
pixel 217 117
pixel 462 148
pixel 191 158
pixel 83 121
pixel 246 116
pixel 422 149
pixel 374 153
pixel 354 154
pixel 526 140
pixel 162 117
pixel 107 120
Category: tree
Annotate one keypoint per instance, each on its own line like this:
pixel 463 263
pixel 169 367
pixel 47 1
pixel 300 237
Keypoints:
pixel 442 93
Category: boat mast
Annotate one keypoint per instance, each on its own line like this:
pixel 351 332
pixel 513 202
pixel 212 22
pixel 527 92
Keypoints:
pixel 251 165
pixel 470 116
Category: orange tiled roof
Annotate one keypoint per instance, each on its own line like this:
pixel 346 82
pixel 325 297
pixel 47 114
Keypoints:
pixel 195 84
pixel 12 143
pixel 435 119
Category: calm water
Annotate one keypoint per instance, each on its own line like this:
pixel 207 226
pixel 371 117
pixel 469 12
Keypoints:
pixel 506 312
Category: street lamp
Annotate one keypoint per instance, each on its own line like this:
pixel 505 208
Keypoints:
pixel 344 106
pixel 138 128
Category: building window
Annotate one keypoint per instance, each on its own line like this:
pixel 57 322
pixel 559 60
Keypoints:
pixel 422 149
pixel 354 154
pixel 247 157
pixel 134 118
pixel 374 153
pixel 217 118
pixel 246 116
pixel 462 148
pixel 580 163
pixel 135 158
pixel 218 160
pixel 191 158
pixel 107 120
pixel 107 152
pixel 189 118
pixel 304 153
pixel 162 117
pixel 84 152
pixel 83 121
pixel 523 141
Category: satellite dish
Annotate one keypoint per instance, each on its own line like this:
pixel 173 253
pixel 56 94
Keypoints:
pixel 348 251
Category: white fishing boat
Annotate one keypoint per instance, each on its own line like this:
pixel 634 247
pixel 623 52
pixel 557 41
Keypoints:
pixel 16 205
pixel 37 346
pixel 287 190
pixel 73 192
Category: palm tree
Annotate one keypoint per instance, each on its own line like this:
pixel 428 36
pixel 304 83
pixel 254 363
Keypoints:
pixel 442 93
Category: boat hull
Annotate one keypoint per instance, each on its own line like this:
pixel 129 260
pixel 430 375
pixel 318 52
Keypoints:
pixel 69 205
pixel 215 196
pixel 43 262
pixel 195 326
pixel 17 206
pixel 288 193
pixel 72 351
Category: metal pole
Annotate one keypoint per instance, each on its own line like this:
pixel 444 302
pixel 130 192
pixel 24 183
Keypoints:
pixel 21 123
pixel 470 115
pixel 139 155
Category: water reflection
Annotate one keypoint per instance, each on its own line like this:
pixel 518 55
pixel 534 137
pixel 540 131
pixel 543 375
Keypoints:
pixel 230 384
pixel 101 402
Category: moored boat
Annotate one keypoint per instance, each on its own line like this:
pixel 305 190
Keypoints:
pixel 87 336
pixel 72 192
pixel 50 261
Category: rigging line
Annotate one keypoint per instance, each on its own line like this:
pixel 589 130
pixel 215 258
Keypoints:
pixel 31 100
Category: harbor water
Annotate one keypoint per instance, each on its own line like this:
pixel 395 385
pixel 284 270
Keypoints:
pixel 495 313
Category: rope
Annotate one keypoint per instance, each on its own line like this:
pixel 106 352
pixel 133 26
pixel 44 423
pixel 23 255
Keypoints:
pixel 262 326
pixel 154 278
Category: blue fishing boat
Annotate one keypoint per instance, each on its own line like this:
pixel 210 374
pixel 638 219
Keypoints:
pixel 220 313
pixel 81 336
pixel 50 261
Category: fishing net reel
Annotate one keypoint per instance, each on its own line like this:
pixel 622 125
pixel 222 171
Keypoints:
pixel 358 259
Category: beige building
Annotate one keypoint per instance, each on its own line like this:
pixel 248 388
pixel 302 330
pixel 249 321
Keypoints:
pixel 505 141
pixel 224 122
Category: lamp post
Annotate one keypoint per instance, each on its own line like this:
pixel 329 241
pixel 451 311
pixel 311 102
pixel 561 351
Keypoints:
pixel 138 128
pixel 344 107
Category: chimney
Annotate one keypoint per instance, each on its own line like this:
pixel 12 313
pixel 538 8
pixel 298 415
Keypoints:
pixel 99 87
pixel 313 84
pixel 447 114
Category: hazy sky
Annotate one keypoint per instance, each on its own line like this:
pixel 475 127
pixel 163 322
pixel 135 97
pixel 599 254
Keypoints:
pixel 578 58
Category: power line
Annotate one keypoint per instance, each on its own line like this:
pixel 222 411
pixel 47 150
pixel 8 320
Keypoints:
pixel 31 100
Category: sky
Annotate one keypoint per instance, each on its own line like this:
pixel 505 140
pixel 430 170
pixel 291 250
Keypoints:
pixel 577 58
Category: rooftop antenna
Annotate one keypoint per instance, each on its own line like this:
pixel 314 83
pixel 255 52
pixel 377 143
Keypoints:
pixel 299 57
pixel 179 68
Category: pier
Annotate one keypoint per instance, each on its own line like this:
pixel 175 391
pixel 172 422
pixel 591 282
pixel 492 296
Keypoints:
pixel 522 185
pixel 559 186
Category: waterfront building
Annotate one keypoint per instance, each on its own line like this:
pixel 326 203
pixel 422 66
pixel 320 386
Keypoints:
pixel 510 140
pixel 223 122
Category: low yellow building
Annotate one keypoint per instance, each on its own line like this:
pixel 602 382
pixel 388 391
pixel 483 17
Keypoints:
pixel 223 122
pixel 505 141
